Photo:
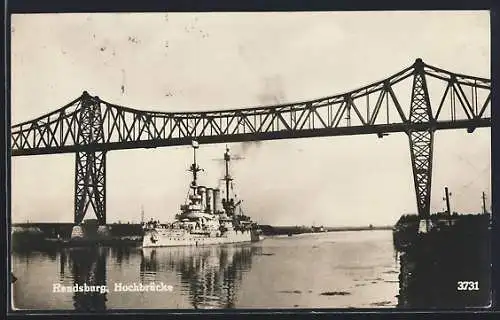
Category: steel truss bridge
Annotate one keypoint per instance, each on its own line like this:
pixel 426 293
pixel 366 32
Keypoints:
pixel 90 126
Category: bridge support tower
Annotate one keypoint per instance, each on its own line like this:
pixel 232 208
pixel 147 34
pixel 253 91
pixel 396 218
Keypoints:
pixel 90 165
pixel 421 143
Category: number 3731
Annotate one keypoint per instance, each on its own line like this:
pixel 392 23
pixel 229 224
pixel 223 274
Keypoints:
pixel 468 285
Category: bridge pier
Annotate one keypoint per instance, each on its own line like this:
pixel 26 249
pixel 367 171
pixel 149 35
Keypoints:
pixel 77 232
pixel 421 141
pixel 424 226
pixel 103 231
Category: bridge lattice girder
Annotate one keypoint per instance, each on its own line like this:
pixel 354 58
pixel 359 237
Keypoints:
pixel 90 126
pixel 362 111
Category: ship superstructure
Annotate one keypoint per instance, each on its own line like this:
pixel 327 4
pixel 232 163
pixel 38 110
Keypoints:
pixel 204 218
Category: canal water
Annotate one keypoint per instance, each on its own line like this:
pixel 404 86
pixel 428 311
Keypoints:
pixel 324 270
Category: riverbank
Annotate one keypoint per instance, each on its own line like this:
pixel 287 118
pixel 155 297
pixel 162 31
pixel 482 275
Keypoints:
pixel 447 267
pixel 36 236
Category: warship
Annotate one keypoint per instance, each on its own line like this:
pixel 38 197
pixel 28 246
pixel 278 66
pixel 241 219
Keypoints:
pixel 204 219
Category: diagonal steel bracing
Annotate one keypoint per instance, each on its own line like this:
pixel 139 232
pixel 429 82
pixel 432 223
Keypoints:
pixel 464 102
pixel 90 166
pixel 421 141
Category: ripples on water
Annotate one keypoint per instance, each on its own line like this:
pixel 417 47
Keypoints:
pixel 327 270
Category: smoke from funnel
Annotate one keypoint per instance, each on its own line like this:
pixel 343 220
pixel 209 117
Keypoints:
pixel 272 94
pixel 245 147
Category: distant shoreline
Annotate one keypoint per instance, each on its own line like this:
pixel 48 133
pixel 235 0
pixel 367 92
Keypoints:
pixel 275 226
pixel 290 230
pixel 336 228
pixel 360 228
pixel 131 229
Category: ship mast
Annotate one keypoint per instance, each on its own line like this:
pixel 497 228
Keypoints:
pixel 227 177
pixel 226 202
pixel 194 167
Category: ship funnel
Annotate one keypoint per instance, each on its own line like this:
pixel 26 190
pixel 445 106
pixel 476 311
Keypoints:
pixel 209 200
pixel 216 199
pixel 202 193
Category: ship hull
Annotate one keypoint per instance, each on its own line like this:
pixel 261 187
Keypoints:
pixel 155 238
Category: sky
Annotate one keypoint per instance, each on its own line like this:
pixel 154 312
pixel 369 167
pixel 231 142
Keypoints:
pixel 214 61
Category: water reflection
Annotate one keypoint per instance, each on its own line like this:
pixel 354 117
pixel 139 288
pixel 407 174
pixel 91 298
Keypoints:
pixel 210 275
pixel 121 254
pixel 88 268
